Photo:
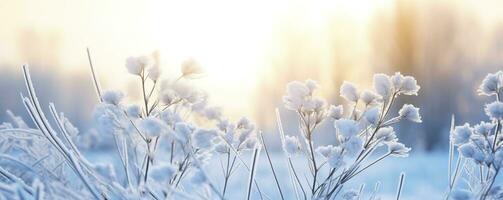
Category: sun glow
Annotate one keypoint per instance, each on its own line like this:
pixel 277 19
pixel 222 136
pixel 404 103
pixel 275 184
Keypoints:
pixel 238 42
pixel 226 37
pixel 232 39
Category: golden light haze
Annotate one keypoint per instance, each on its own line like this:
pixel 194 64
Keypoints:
pixel 250 49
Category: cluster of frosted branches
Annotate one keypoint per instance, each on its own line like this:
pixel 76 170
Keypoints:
pixel 361 127
pixel 480 148
pixel 164 142
pixel 162 151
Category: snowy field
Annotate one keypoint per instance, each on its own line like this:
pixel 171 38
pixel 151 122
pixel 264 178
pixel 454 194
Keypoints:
pixel 426 176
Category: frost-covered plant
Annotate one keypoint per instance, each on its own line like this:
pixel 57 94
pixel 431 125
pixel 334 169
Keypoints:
pixel 165 141
pixel 359 131
pixel 480 149
pixel 158 143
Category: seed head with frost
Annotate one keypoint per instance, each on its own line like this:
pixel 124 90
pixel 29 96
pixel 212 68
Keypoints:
pixel 163 172
pixel 411 113
pixel 495 110
pixel 112 97
pixel 346 127
pixel 133 111
pixel 311 85
pixel 335 112
pixel 332 154
pixel 154 73
pixel 297 94
pixel 398 149
pixel 409 86
pixel 203 138
pixel 397 80
pixel 191 67
pixel 183 132
pixel 291 145
pixel 491 84
pixel 136 65
pixel 349 92
pixel 461 134
pixel 386 134
pixel 152 127
pixel 484 128
pixel 382 85
pixel 353 146
pixel 371 115
pixel 369 98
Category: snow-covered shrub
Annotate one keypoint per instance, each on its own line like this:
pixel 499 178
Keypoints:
pixel 480 149
pixel 361 127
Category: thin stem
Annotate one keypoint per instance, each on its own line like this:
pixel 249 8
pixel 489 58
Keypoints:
pixel 95 78
pixel 315 168
pixel 226 175
pixel 145 99
pixel 400 185
pixel 252 171
pixel 297 177
pixel 271 165
pixel 149 159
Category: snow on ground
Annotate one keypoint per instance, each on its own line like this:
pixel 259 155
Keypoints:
pixel 426 175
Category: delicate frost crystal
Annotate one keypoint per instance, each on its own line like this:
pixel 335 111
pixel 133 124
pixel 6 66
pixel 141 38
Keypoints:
pixel 170 117
pixel 484 128
pixel 154 73
pixel 346 127
pixel 491 84
pixel 314 105
pixel 409 86
pixel 136 65
pixel 495 110
pixel 291 145
pixel 191 67
pixel 349 92
pixel 112 97
pixel 368 97
pixel 152 127
pixel 398 149
pixel 335 112
pixel 382 84
pixel 386 134
pixel 333 154
pixel 372 115
pixel 461 134
pixel 311 85
pixel 183 132
pixel 353 146
pixel 468 150
pixel 411 113
pixel 133 111
pixel 163 172
pixel 397 80
pixel 203 138
pixel 297 93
